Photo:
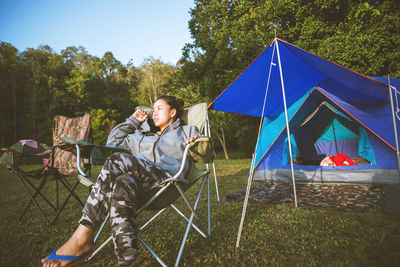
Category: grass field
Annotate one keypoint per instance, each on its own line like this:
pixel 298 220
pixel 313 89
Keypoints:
pixel 273 235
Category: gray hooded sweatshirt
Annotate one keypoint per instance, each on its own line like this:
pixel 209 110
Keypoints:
pixel 163 151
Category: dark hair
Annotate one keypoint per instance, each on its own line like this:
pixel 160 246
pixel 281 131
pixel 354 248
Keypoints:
pixel 174 103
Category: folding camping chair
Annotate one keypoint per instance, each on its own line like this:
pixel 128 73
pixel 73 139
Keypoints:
pixel 163 196
pixel 61 165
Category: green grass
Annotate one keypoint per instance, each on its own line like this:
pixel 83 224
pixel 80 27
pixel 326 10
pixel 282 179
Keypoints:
pixel 273 235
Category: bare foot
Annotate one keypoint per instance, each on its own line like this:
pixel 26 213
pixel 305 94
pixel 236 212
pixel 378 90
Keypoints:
pixel 80 244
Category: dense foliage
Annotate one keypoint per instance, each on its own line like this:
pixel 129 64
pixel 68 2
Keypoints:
pixel 228 35
pixel 37 84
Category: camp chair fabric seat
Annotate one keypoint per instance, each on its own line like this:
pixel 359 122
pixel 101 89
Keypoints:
pixel 171 194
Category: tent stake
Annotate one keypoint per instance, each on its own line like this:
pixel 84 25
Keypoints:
pixel 287 122
pixel 394 126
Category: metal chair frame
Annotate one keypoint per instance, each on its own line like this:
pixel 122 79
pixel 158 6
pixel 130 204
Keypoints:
pixel 35 191
pixel 207 132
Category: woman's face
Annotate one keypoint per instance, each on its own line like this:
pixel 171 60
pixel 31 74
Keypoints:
pixel 163 115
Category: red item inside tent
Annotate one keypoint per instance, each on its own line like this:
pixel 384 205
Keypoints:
pixel 340 159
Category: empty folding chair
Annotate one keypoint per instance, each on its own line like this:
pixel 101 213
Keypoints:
pixel 62 165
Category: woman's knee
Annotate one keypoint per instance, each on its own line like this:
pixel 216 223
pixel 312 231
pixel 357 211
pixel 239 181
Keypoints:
pixel 125 181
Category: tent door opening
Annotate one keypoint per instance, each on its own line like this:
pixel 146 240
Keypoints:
pixel 324 132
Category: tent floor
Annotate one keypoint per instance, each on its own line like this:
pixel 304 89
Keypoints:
pixel 354 197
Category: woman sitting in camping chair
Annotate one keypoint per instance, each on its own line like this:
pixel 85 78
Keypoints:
pixel 156 156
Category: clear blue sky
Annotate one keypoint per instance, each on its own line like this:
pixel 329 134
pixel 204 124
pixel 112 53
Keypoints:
pixel 130 29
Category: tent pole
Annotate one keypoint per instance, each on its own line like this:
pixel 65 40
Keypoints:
pixel 287 122
pixel 253 159
pixel 334 136
pixel 246 200
pixel 394 127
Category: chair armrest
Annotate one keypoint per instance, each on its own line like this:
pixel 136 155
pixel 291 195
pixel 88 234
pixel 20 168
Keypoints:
pixel 70 144
pixel 192 149
pixel 80 148
pixel 202 150
pixel 185 157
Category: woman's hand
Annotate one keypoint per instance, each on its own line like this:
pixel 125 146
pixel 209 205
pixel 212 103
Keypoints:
pixel 140 115
pixel 191 139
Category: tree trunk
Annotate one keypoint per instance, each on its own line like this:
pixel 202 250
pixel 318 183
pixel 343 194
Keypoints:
pixel 14 96
pixel 222 140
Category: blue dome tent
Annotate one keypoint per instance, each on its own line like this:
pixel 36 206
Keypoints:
pixel 329 109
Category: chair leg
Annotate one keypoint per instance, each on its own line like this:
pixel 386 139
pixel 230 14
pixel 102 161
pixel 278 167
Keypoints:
pixel 99 248
pixel 37 190
pixel 189 224
pixel 185 199
pixel 207 132
pixel 71 193
pixel 187 219
pixel 72 189
pixel 29 186
pixel 151 219
pixel 101 228
pixel 108 240
pixel 215 180
pixel 32 197
pixel 160 261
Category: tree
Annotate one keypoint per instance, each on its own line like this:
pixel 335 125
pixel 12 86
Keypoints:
pixel 117 86
pixel 229 34
pixel 102 121
pixel 110 64
pixel 35 103
pixel 8 92
pixel 177 86
pixel 218 122
pixel 152 82
pixel 38 84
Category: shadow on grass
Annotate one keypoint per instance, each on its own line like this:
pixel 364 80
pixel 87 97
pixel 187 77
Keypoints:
pixel 272 235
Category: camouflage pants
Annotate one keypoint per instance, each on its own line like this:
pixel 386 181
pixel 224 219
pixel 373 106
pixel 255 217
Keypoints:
pixel 120 181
